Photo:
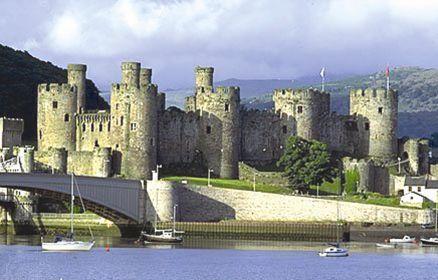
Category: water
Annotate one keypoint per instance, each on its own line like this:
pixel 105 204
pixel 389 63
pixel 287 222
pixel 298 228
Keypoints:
pixel 198 259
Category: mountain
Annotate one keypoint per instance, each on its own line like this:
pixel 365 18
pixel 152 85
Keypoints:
pixel 20 74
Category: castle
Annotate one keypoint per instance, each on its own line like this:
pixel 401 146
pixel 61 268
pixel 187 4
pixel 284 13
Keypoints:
pixel 213 132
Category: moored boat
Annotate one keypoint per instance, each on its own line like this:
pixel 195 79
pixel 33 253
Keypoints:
pixel 433 241
pixel 163 236
pixel 405 239
pixel 334 252
pixel 386 245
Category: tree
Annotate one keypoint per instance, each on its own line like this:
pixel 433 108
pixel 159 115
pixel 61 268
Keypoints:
pixel 306 163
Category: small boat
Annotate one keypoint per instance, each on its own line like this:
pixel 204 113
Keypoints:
pixel 405 239
pixel 68 243
pixel 334 252
pixel 386 245
pixel 164 236
pixel 433 241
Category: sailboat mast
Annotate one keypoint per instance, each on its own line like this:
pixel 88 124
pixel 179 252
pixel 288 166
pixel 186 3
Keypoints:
pixel 71 204
pixel 174 217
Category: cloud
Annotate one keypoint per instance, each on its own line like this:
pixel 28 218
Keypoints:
pixel 241 38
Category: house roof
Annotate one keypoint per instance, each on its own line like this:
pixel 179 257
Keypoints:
pixel 432 184
pixel 415 181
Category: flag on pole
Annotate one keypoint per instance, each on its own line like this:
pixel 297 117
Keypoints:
pixel 322 74
pixel 387 77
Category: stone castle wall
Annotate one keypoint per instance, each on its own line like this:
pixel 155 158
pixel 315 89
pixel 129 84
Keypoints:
pixel 11 131
pixel 204 204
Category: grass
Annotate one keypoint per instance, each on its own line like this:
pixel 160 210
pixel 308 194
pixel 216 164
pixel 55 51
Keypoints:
pixel 231 184
pixel 373 198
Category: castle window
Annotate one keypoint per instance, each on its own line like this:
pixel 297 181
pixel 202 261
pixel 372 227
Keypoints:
pixel 208 130
pixel 66 117
pixel 121 120
pixel 55 104
pixel 284 129
pixel 300 109
pixel 133 126
pixel 41 134
pixel 83 127
pixel 227 107
pixel 96 143
pixel 363 93
pixel 380 110
pixel 109 126
pixel 152 141
pixel 117 106
pixel 100 127
pixel 92 127
pixel 367 126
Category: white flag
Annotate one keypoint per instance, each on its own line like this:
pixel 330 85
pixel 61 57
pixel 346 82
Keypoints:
pixel 322 73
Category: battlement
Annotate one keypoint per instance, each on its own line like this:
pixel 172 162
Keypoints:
pixel 128 65
pixel 199 69
pixel 77 67
pixel 368 93
pixel 100 117
pixel 56 88
pixel 289 93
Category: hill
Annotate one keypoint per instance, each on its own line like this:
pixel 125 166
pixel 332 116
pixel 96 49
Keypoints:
pixel 20 74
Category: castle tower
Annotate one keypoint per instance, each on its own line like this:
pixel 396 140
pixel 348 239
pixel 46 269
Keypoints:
pixel 131 74
pixel 377 113
pixel 134 119
pixel 57 105
pixel 145 77
pixel 76 75
pixel 204 77
pixel 220 124
pixel 309 108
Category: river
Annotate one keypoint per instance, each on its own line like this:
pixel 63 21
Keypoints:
pixel 21 258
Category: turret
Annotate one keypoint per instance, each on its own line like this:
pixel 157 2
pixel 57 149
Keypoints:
pixel 204 77
pixel 145 77
pixel 308 107
pixel 76 76
pixel 57 105
pixel 377 112
pixel 131 74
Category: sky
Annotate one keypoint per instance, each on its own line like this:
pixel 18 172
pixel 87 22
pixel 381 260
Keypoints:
pixel 248 39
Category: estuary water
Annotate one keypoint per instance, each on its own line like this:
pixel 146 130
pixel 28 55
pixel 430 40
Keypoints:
pixel 21 258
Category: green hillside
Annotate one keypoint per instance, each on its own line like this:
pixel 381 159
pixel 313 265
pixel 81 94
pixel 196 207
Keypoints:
pixel 20 74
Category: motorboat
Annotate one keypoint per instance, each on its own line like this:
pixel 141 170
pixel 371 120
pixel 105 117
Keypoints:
pixel 334 252
pixel 433 241
pixel 68 243
pixel 162 236
pixel 386 245
pixel 405 239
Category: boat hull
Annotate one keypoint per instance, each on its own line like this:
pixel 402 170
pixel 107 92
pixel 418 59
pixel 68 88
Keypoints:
pixel 161 239
pixel 67 246
pixel 381 245
pixel 326 254
pixel 429 242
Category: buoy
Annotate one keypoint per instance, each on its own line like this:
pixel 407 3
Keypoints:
pixel 107 248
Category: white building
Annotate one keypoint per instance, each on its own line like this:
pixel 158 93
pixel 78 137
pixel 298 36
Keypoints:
pixel 417 190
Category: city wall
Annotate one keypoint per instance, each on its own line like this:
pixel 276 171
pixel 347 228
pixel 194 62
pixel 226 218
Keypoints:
pixel 205 204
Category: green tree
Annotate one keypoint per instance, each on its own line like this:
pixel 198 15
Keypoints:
pixel 306 163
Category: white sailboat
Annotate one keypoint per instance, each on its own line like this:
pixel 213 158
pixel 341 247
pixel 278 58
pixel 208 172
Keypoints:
pixel 163 235
pixel 68 243
pixel 335 250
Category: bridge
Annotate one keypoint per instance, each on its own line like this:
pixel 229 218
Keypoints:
pixel 119 200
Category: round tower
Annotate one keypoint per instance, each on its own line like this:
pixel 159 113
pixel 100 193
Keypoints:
pixel 102 162
pixel 309 108
pixel 59 160
pixel 377 113
pixel 145 77
pixel 57 105
pixel 140 157
pixel 26 158
pixel 204 76
pixel 76 75
pixel 131 74
pixel 220 130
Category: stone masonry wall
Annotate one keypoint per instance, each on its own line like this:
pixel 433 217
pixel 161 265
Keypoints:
pixel 214 204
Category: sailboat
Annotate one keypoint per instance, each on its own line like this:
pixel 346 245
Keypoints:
pixel 335 250
pixel 163 235
pixel 68 243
